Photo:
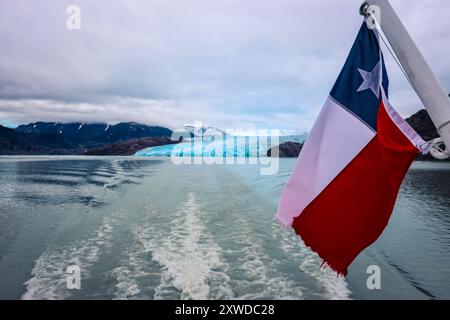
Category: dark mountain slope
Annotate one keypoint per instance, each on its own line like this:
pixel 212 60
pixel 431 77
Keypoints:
pixel 78 138
pixel 91 135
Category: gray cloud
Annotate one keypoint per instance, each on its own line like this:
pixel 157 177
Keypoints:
pixel 226 62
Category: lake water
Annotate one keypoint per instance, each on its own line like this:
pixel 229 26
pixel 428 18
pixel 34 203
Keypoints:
pixel 148 229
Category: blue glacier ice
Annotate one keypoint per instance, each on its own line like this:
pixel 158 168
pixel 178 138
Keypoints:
pixel 234 146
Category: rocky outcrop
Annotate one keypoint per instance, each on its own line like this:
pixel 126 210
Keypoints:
pixel 287 150
pixel 421 122
pixel 128 148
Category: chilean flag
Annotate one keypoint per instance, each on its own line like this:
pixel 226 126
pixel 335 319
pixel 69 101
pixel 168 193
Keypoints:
pixel 345 183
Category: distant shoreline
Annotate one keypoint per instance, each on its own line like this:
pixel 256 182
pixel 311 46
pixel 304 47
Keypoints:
pixel 125 139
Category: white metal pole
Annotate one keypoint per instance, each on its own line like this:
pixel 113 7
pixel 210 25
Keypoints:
pixel 427 86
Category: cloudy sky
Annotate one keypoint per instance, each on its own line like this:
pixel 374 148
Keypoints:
pixel 228 63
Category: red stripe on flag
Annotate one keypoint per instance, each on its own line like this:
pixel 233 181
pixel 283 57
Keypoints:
pixel 352 212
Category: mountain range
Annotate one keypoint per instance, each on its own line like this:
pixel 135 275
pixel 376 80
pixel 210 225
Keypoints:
pixel 78 138
pixel 125 138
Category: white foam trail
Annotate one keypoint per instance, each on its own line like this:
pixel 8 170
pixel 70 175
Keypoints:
pixel 263 279
pixel 336 287
pixel 131 273
pixel 48 280
pixel 191 261
pixel 271 283
pixel 127 286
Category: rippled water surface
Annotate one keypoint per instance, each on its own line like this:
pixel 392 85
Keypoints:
pixel 148 229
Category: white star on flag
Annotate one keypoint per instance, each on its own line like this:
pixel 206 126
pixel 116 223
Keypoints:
pixel 371 80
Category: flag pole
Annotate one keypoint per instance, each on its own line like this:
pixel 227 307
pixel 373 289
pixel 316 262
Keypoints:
pixel 424 81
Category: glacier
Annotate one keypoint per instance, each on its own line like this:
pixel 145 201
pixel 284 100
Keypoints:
pixel 229 146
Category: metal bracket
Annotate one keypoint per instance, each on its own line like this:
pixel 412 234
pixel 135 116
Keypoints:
pixel 438 149
pixel 363 10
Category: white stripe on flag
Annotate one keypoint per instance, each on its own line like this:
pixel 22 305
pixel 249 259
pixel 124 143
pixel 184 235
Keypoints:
pixel 335 140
